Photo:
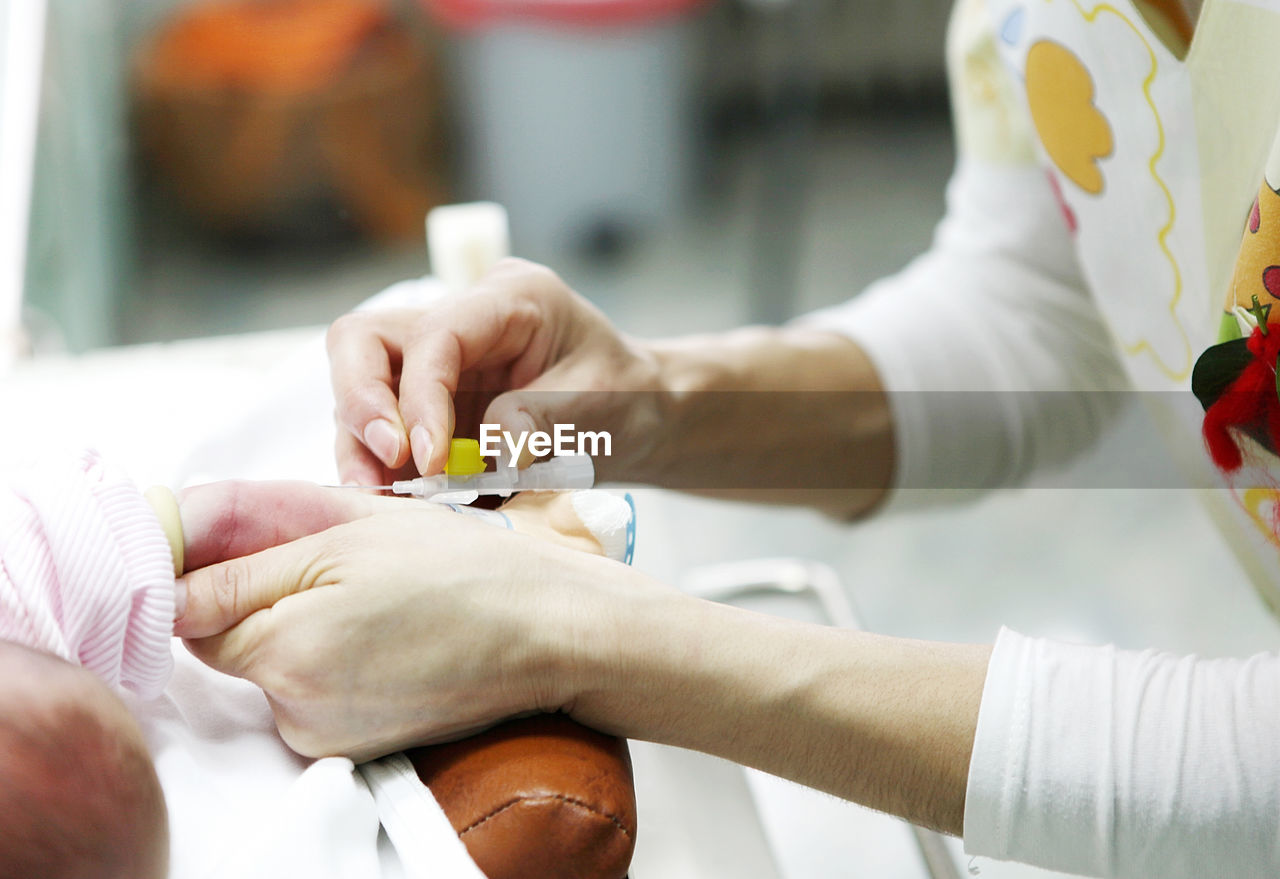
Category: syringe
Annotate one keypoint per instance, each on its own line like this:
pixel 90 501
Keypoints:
pixel 569 472
pixel 465 477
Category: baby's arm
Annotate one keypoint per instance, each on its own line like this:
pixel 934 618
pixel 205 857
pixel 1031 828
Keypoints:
pixel 227 520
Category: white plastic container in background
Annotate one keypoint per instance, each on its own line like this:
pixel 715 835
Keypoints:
pixel 573 114
pixel 464 241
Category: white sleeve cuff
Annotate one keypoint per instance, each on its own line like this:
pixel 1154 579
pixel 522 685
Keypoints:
pixel 1117 763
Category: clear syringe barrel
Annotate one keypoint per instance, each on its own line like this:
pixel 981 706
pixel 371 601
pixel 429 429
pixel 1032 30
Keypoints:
pixel 568 472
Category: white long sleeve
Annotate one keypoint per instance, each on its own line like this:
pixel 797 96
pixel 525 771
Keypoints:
pixel 1090 760
pixel 995 360
pixel 1125 764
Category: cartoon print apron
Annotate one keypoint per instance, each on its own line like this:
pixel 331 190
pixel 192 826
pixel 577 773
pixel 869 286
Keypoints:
pixel 1156 156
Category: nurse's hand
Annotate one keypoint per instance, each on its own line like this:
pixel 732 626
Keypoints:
pixel 412 625
pixel 405 627
pixel 783 415
pixel 520 349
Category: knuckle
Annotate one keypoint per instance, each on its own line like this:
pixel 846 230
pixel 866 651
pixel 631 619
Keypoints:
pixel 344 327
pixel 545 278
pixel 353 401
pixel 534 278
pixel 427 331
pixel 229 589
pixel 424 327
pixel 513 265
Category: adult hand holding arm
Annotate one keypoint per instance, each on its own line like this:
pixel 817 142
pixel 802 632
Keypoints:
pixel 524 351
pixel 389 631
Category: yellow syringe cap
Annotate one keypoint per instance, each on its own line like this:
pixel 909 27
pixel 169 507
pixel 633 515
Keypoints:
pixel 464 458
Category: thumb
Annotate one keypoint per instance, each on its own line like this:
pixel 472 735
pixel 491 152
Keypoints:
pixel 519 414
pixel 222 595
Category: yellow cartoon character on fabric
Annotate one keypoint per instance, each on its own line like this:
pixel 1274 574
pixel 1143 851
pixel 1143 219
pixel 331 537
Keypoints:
pixel 1060 94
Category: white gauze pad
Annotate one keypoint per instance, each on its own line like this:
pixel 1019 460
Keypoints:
pixel 606 516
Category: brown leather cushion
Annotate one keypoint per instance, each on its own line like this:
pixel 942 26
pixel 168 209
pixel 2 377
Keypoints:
pixel 538 798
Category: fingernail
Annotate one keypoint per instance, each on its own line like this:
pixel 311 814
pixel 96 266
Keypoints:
pixel 179 598
pixel 420 441
pixel 383 440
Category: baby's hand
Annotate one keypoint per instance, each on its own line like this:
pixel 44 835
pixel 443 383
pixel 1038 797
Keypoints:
pixel 226 520
pixel 591 521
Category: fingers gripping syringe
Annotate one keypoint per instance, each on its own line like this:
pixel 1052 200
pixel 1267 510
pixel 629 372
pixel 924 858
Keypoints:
pixel 465 478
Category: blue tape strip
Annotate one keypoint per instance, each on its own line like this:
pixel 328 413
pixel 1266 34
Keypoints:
pixel 486 515
pixel 631 531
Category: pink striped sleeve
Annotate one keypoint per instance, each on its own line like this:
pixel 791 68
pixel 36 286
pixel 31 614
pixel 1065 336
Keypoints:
pixel 86 573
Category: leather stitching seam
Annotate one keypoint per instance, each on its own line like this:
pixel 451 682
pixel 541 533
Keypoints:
pixel 570 800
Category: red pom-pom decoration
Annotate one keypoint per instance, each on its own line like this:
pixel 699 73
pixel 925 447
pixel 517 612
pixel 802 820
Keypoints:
pixel 1249 404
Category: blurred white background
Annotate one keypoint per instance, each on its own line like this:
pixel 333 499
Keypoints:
pixel 744 145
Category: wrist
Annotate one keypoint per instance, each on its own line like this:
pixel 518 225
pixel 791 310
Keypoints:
pixel 701 380
pixel 662 666
pixel 784 414
pixel 883 721
pixel 620 628
pixel 694 674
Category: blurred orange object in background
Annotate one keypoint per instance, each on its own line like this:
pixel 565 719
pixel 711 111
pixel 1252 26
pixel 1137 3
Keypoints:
pixel 283 47
pixel 287 117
